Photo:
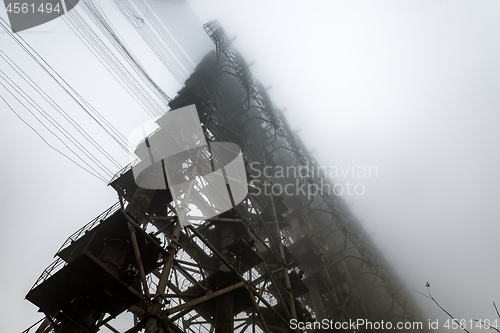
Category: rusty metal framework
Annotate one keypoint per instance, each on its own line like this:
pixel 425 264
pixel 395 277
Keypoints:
pixel 273 258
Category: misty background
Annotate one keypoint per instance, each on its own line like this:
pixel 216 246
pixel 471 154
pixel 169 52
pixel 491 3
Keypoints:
pixel 411 87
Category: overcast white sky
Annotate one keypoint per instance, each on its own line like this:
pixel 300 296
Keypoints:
pixel 412 87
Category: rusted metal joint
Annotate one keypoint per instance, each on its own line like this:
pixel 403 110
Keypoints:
pixel 173 246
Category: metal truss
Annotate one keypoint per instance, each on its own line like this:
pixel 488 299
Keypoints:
pixel 273 258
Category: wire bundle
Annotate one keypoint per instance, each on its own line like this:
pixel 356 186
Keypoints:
pixel 176 39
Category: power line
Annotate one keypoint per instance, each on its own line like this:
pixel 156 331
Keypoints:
pixel 94 114
pixel 103 24
pixel 86 34
pixel 56 106
pixel 102 52
pixel 53 122
pixel 97 175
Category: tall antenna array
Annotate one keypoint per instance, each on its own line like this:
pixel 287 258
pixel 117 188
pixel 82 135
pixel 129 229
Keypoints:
pixel 272 260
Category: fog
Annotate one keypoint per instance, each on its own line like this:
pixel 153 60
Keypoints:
pixel 412 88
pixel 409 87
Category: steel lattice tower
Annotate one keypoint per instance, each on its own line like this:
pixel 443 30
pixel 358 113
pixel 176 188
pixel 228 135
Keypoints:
pixel 270 259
